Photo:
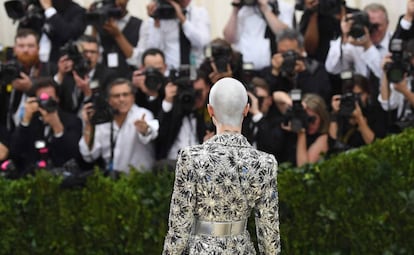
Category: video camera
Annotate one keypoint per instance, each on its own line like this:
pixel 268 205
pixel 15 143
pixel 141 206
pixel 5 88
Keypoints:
pixel 102 11
pixel 360 21
pixel 400 64
pixel 347 105
pixel 28 12
pixel 9 72
pixel 220 54
pixel 80 64
pixel 289 62
pixel 296 114
pixel 325 7
pixel 164 10
pixel 47 103
pixel 103 111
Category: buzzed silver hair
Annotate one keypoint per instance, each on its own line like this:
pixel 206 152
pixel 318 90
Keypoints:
pixel 228 97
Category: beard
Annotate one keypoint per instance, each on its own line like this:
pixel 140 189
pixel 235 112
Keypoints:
pixel 28 60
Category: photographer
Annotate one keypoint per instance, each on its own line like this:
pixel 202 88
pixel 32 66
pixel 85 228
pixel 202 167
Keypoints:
pixel 256 23
pixel 221 61
pixel 292 69
pixel 356 120
pixel 20 73
pixel 184 116
pixel 45 133
pixel 320 23
pixel 78 67
pixel 307 121
pixel 405 28
pixel 262 126
pixel 363 44
pixel 60 21
pixel 179 29
pixel 119 36
pixel 397 90
pixel 124 141
pixel 150 80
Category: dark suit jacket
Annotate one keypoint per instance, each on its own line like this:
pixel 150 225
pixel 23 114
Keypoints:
pixel 104 76
pixel 170 124
pixel 402 33
pixel 60 150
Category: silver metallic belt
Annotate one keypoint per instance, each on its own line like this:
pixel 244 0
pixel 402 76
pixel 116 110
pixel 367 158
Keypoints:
pixel 212 228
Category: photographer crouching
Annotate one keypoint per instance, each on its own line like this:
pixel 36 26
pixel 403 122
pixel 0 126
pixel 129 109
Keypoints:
pixel 122 140
pixel 355 119
pixel 46 136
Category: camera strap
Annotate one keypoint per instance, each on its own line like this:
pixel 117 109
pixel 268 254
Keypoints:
pixel 110 166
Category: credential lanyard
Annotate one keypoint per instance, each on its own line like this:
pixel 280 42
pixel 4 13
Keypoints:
pixel 112 147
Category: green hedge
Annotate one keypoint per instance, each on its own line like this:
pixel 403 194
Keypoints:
pixel 359 202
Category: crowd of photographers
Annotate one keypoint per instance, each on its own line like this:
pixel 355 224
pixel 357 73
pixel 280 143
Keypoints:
pixel 132 93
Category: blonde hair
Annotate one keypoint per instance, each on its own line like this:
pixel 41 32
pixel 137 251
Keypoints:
pixel 316 103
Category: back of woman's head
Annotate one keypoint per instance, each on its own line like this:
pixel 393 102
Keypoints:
pixel 228 97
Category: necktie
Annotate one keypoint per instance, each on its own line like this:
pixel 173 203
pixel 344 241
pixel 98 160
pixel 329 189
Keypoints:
pixel 185 46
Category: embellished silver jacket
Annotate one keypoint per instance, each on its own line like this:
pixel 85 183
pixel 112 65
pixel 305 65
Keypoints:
pixel 223 180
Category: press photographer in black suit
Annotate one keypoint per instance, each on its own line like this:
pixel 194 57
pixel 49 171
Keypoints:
pixel 46 136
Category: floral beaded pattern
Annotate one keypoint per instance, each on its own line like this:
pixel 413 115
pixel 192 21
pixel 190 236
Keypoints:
pixel 222 180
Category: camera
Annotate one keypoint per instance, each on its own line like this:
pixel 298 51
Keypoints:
pixel 47 103
pixel 103 111
pixel 220 54
pixel 296 114
pixel 400 64
pixel 101 11
pixel 289 62
pixel 28 12
pixel 325 7
pixel 80 64
pixel 9 72
pixel 164 10
pixel 360 21
pixel 347 105
pixel 186 94
pixel 154 79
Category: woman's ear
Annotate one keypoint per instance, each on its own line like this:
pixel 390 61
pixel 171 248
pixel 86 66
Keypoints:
pixel 246 110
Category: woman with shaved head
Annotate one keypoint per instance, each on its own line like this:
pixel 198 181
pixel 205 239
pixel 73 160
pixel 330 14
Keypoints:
pixel 220 182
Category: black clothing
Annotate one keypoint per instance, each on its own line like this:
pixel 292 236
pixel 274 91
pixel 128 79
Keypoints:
pixel 154 105
pixel 67 24
pixel 314 79
pixel 68 103
pixel 60 149
pixel 131 33
pixel 401 33
pixel 266 134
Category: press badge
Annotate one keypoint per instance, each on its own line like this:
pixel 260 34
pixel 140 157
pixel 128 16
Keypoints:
pixel 112 59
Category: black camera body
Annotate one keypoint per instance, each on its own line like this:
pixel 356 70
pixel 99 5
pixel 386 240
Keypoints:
pixel 186 94
pixel 220 54
pixel 102 11
pixel 164 10
pixel 400 65
pixel 154 79
pixel 360 21
pixel 289 62
pixel 103 111
pixel 47 103
pixel 325 7
pixel 296 114
pixel 29 13
pixel 80 64
pixel 347 105
pixel 9 72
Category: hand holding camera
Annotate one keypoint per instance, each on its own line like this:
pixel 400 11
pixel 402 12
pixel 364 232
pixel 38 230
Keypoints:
pixel 409 15
pixel 22 83
pixel 170 92
pixel 46 4
pixel 254 103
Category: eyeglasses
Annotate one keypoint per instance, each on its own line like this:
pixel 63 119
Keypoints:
pixel 119 95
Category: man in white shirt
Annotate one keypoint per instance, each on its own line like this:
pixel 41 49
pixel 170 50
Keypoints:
pixel 247 27
pixel 362 55
pixel 125 141
pixel 164 33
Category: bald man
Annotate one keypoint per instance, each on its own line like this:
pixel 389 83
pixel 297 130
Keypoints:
pixel 219 183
